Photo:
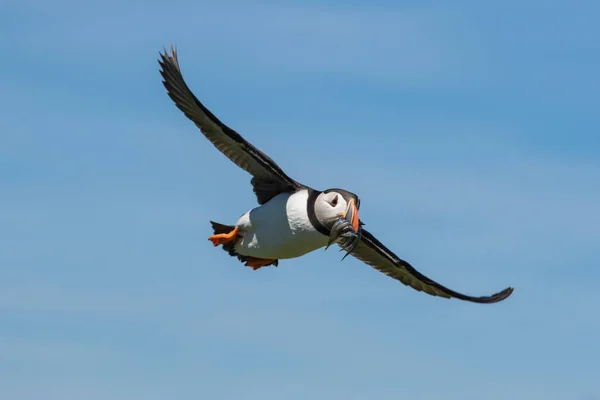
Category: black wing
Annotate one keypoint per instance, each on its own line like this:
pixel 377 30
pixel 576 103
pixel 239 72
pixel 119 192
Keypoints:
pixel 372 252
pixel 268 178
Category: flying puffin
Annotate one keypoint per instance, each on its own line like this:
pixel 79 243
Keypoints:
pixel 292 219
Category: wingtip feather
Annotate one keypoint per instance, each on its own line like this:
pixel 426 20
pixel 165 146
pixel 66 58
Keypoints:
pixel 495 298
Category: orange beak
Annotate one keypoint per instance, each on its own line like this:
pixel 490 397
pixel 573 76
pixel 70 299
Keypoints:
pixel 351 214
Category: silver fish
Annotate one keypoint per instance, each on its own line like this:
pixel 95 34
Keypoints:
pixel 343 233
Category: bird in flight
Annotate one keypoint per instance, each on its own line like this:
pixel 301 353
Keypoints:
pixel 292 219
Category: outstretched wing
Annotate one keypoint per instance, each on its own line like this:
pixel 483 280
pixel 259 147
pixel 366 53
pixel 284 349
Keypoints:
pixel 268 178
pixel 372 252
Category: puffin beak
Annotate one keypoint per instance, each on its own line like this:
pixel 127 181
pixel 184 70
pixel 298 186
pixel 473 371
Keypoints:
pixel 351 214
pixel 340 229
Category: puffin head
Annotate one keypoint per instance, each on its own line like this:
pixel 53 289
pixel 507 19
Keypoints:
pixel 333 205
pixel 334 212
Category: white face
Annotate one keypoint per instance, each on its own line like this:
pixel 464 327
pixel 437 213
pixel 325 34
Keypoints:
pixel 329 207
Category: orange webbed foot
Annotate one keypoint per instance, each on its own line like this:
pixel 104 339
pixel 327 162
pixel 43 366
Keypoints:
pixel 223 238
pixel 256 263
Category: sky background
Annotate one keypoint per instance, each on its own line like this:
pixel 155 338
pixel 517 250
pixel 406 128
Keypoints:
pixel 471 134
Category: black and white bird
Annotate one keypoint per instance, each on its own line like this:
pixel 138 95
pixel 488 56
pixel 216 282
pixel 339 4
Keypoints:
pixel 292 219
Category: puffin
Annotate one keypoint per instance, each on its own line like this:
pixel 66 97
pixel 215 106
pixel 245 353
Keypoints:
pixel 292 219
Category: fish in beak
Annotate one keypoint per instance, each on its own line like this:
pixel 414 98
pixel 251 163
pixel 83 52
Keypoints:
pixel 351 215
pixel 346 229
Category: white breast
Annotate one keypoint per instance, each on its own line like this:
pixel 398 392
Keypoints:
pixel 279 229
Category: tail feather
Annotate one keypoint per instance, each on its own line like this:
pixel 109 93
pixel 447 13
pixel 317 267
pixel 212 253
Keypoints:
pixel 228 247
pixel 220 228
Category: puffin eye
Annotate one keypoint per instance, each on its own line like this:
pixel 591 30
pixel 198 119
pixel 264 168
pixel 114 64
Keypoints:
pixel 334 201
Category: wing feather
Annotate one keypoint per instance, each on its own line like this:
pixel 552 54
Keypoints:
pixel 226 140
pixel 372 252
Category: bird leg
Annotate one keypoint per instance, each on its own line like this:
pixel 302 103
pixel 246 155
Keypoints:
pixel 256 263
pixel 222 238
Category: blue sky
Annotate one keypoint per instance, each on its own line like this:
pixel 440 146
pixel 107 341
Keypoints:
pixel 470 133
